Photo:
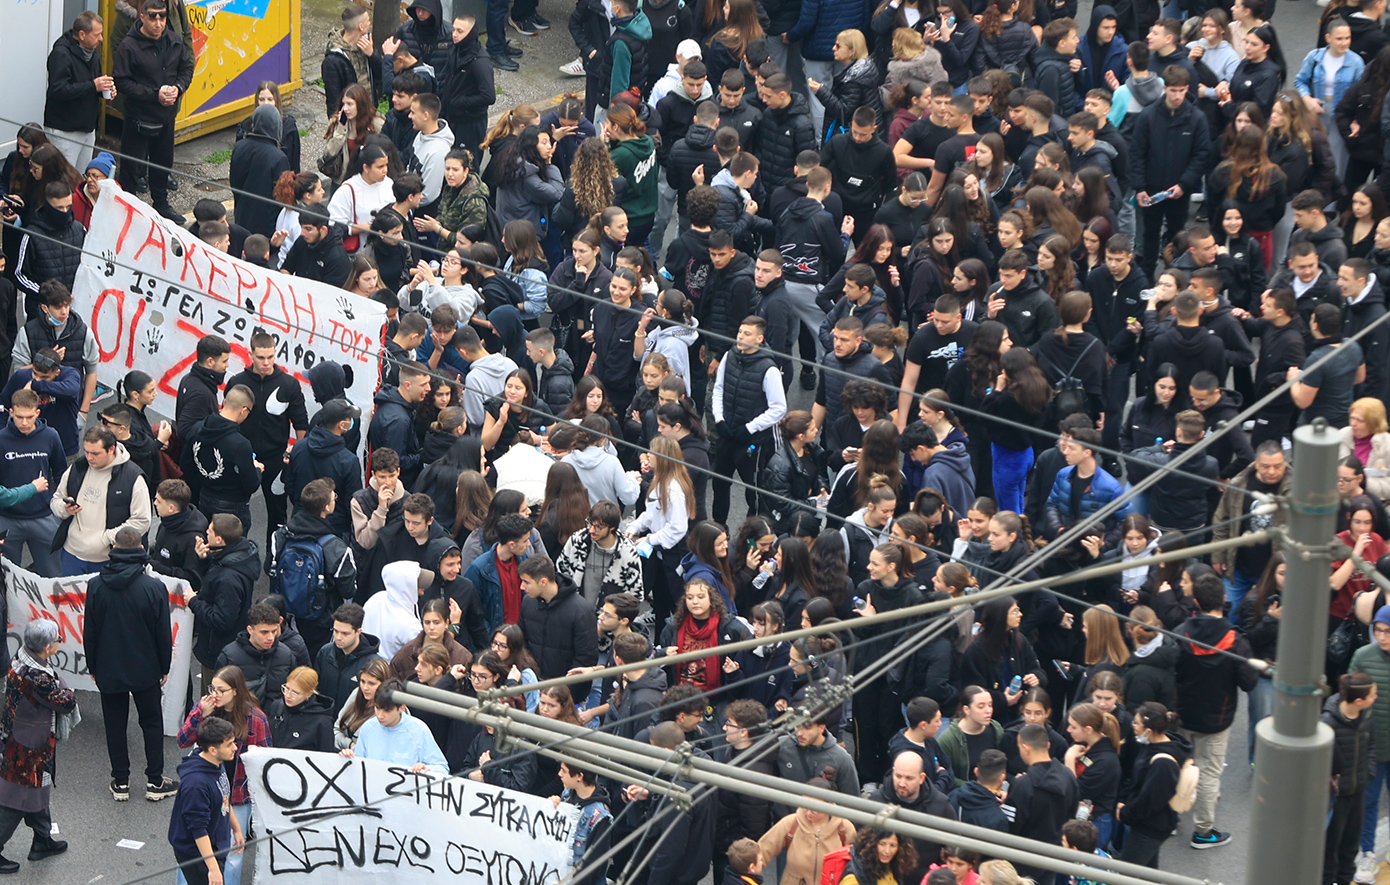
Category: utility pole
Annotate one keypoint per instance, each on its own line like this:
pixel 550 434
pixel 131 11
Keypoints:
pixel 1293 749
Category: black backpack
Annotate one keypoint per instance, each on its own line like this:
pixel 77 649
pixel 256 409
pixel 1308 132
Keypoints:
pixel 1071 393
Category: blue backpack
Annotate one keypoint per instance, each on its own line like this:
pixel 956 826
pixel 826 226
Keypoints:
pixel 299 576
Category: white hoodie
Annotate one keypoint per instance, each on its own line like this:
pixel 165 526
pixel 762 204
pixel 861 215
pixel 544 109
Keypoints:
pixel 392 615
pixel 429 152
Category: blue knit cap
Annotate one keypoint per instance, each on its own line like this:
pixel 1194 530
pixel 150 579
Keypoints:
pixel 104 163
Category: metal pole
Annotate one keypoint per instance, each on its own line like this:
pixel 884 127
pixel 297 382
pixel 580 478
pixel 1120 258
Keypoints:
pixel 1293 750
pixel 861 811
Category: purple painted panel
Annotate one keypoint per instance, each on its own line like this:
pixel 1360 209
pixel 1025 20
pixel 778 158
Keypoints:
pixel 274 65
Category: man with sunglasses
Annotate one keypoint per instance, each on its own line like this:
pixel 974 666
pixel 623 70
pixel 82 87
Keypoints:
pixel 154 70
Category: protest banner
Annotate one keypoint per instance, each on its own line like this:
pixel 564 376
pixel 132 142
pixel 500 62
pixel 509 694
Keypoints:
pixel 64 601
pixel 149 289
pixel 354 819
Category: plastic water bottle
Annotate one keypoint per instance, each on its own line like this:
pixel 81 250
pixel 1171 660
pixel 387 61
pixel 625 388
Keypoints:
pixel 1016 685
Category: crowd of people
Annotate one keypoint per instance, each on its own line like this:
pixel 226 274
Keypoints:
pixel 1010 265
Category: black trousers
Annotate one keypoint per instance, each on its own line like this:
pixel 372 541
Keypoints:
pixel 730 457
pixel 276 506
pixel 1141 848
pixel 1271 423
pixel 157 149
pixel 195 870
pixel 663 581
pixel 211 505
pixel 41 822
pixel 1343 838
pixel 1173 213
pixel 877 717
pixel 115 712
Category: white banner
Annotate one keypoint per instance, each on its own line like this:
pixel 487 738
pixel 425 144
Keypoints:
pixel 64 601
pixel 330 819
pixel 151 318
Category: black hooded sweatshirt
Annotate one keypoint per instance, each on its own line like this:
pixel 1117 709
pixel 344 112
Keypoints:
pixel 218 462
pixel 1041 800
pixel 127 636
pixel 172 552
pixel 472 631
pixel 812 249
pixel 221 606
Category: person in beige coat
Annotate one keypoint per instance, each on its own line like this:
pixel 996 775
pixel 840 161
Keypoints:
pixel 807 837
pixel 1367 436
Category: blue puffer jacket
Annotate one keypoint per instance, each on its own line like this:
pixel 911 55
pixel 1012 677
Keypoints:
pixel 1309 81
pixel 1101 490
pixel 821 21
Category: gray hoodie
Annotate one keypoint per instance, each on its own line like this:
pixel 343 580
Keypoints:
pixel 603 476
pixel 485 379
pixel 428 159
pixel 674 343
pixel 1145 90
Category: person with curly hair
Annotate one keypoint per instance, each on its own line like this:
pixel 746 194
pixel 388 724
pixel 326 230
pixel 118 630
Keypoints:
pixel 878 857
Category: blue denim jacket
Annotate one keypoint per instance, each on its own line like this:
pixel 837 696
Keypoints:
pixel 1310 76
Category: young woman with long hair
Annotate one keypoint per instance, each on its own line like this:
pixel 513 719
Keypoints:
pixel 1011 232
pixel 591 398
pixel 730 43
pixel 1008 41
pixel 1258 187
pixel 1259 75
pixel 1094 758
pixel 970 282
pixel 795 577
pixel 998 177
pixel 1054 260
pixel 708 558
pixel 832 572
pixel 955 206
pixel 632 149
pixel 526 258
pixel 473 500
pixel 1094 235
pixel 268 92
pixel 1021 395
pixel 762 674
pixel 565 508
pixel 909 101
pixel 913 530
pixel 1358 116
pixel 347 132
pixel 700 620
pixel 1360 220
pixel 527 184
pixel 357 709
pixel 593 185
pixel 509 644
pixel 1047 217
pixel 293 190
pixel 878 250
pixel 968 382
pixel 434 633
pixel 463 200
pixel 509 126
pixel 1000 652
pixel 1105 642
pixel 229 698
pixel 929 267
pixel 879 857
pixel 1092 196
pixel 904 57
pixel 975 729
pixel 664 522
pixel 1138 540
pixel 364 278
pixel 754 543
pixel 878 457
pixel 981 209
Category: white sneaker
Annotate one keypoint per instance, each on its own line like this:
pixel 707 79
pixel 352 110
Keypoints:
pixel 573 69
pixel 1365 867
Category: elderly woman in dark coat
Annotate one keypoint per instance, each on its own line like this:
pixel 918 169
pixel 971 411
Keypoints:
pixel 39 707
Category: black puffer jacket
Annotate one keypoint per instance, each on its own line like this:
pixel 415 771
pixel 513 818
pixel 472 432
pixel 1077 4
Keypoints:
pixel 1256 81
pixel 307 726
pixel 40 258
pixel 265 670
pixel 788 475
pixel 393 427
pixel 560 632
pixel 1353 747
pixel 696 149
pixel 220 608
pixel 782 134
pixel 1152 676
pixel 471 91
pixel 338 671
pixel 429 40
pixel 854 87
pixel 72 103
pixel 1014 46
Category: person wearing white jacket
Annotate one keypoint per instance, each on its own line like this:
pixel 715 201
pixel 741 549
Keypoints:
pixel 356 202
pixel 393 615
pixel 670 507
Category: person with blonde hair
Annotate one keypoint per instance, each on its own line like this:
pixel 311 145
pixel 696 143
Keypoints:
pixel 854 87
pixel 1367 436
pixel 912 59
pixel 301 718
pixel 1001 872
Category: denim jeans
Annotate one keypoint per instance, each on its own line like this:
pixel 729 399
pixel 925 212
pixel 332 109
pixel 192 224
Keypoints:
pixel 1010 475
pixel 665 206
pixel 1237 585
pixel 497 27
pixel 37 532
pixel 1368 822
pixel 822 72
pixel 74 566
